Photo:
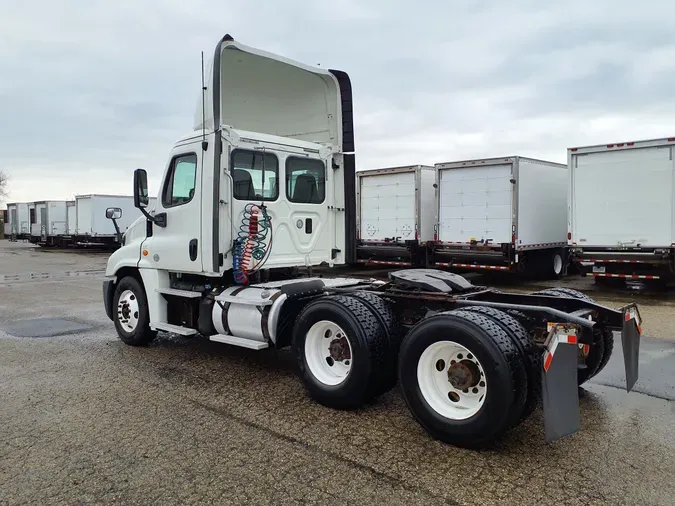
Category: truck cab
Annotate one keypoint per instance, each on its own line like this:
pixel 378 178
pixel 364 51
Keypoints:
pixel 271 137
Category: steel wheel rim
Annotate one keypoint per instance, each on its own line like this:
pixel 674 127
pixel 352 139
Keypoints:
pixel 445 398
pixel 128 311
pixel 328 352
pixel 557 264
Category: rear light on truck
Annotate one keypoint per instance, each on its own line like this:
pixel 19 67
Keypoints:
pixel 569 236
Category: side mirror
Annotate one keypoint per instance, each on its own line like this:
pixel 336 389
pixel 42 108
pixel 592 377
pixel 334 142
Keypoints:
pixel 141 198
pixel 113 213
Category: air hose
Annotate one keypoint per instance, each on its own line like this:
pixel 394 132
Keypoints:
pixel 251 247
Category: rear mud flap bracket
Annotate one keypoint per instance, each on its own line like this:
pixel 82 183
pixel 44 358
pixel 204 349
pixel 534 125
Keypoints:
pixel 560 391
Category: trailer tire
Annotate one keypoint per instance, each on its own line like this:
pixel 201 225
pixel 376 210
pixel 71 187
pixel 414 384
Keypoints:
pixel 532 357
pixel 130 313
pixel 557 264
pixel 603 339
pixel 363 366
pixel 490 357
pixel 382 309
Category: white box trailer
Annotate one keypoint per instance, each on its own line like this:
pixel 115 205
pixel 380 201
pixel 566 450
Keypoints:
pixel 20 215
pixel 6 231
pixel 50 221
pixel 622 209
pixel 506 213
pixel 92 225
pixel 394 214
pixel 71 217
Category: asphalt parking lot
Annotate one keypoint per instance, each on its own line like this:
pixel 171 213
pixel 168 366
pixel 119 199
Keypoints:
pixel 85 419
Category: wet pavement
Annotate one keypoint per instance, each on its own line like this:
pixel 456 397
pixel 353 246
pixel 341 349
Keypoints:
pixel 86 419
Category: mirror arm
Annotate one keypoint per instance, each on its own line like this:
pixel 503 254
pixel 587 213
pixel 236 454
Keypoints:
pixel 117 230
pixel 159 219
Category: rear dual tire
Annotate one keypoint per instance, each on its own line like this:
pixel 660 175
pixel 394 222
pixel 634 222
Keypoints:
pixel 346 347
pixel 600 351
pixel 463 378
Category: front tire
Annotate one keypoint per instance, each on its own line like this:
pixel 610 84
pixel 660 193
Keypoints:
pixel 460 375
pixel 342 351
pixel 130 313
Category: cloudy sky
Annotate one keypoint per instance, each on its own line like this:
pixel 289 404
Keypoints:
pixel 91 90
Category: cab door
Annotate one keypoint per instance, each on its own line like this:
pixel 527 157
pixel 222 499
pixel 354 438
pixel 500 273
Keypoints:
pixel 308 207
pixel 176 247
pixel 293 189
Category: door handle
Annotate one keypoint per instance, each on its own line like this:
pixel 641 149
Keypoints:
pixel 308 225
pixel 193 249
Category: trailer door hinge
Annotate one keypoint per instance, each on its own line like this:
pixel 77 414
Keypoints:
pixel 334 252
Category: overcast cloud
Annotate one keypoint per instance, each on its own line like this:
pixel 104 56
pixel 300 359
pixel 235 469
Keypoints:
pixel 91 90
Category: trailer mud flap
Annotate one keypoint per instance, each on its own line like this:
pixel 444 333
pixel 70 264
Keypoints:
pixel 560 391
pixel 630 342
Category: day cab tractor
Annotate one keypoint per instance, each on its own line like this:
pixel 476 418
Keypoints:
pixel 260 193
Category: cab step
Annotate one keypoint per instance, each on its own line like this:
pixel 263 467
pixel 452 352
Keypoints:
pixel 239 341
pixel 175 329
pixel 187 294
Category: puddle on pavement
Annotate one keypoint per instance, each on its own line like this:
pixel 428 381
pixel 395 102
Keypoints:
pixel 44 327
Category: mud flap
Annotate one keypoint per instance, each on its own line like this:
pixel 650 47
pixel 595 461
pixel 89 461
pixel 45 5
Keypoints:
pixel 630 342
pixel 560 391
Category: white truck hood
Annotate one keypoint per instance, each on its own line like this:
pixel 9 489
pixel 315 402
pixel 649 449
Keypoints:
pixel 266 93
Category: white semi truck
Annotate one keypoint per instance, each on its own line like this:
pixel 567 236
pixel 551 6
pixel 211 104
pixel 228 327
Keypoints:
pixel 613 235
pixel 263 187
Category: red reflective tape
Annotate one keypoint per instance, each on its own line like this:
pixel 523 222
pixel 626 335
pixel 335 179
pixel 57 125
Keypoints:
pixel 571 339
pixel 382 262
pixel 548 360
pixel 626 276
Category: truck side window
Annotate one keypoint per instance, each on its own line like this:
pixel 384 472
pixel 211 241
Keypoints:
pixel 305 180
pixel 180 183
pixel 247 173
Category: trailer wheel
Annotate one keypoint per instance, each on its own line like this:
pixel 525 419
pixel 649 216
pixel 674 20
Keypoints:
pixel 342 351
pixel 557 264
pixel 596 356
pixel 530 382
pixel 459 377
pixel 130 313
pixel 384 312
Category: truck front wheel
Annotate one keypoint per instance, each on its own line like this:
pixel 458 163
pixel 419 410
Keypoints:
pixel 130 313
pixel 343 352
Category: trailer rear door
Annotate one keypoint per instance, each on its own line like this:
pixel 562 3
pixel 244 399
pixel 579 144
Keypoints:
pixel 387 206
pixel 622 197
pixel 475 203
